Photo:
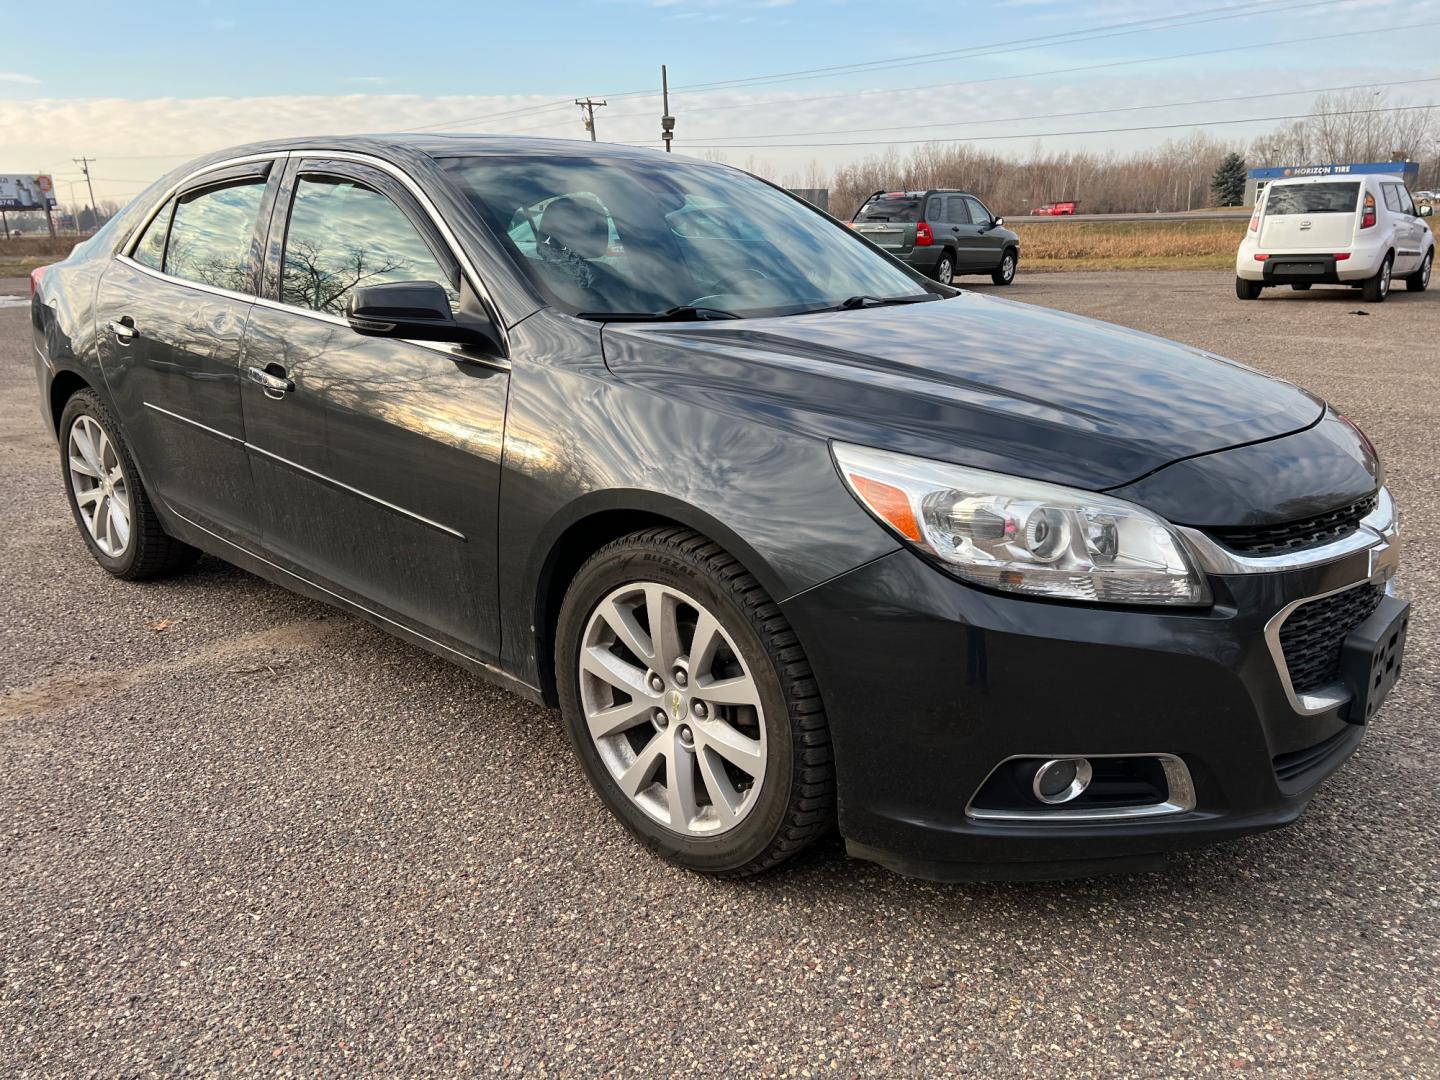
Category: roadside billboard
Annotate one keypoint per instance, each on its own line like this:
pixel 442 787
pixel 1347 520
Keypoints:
pixel 26 191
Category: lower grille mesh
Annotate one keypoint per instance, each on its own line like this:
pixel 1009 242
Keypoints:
pixel 1313 636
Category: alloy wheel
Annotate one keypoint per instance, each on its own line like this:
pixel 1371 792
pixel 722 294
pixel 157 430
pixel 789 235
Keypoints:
pixel 1007 267
pixel 945 272
pixel 673 709
pixel 1425 270
pixel 1385 278
pixel 98 482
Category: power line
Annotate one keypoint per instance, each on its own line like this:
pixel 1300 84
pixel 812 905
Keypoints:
pixel 852 95
pixel 1082 112
pixel 1058 134
pixel 1137 26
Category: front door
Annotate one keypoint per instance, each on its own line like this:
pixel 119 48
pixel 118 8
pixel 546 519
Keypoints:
pixel 376 461
pixel 171 314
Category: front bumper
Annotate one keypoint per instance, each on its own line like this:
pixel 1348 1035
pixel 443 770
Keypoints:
pixel 930 684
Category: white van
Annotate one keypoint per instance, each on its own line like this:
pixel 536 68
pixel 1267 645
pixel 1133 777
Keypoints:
pixel 1360 231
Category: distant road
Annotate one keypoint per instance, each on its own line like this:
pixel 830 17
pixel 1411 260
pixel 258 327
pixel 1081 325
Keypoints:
pixel 1215 215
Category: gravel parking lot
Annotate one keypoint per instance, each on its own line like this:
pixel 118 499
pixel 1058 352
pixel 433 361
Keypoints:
pixel 242 834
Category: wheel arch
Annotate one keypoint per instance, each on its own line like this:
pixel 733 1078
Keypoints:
pixel 591 523
pixel 65 385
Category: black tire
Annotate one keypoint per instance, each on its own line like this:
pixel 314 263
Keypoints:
pixel 796 800
pixel 1248 290
pixel 945 268
pixel 1419 281
pixel 150 551
pixel 1301 286
pixel 1004 274
pixel 1377 288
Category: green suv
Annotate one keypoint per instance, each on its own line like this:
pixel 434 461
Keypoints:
pixel 942 233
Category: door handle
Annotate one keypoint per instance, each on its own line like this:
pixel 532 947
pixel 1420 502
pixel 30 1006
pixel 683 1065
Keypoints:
pixel 275 385
pixel 124 330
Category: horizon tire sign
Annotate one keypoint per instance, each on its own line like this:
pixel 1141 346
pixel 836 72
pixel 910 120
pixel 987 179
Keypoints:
pixel 26 191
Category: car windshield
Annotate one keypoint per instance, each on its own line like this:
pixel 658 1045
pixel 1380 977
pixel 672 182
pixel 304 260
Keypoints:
pixel 904 208
pixel 613 236
pixel 1312 198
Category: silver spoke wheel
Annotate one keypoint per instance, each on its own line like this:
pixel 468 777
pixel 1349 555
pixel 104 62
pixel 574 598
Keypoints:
pixel 673 709
pixel 1007 267
pixel 98 482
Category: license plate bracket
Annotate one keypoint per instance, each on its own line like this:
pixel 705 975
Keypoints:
pixel 1373 656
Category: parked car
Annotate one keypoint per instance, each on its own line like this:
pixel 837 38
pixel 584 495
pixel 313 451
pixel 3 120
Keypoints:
pixel 1361 231
pixel 785 530
pixel 941 233
pixel 1055 209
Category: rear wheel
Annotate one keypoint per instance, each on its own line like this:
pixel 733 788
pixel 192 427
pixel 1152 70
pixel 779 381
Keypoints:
pixel 691 705
pixel 945 268
pixel 1004 274
pixel 1247 290
pixel 1378 287
pixel 1419 281
pixel 107 499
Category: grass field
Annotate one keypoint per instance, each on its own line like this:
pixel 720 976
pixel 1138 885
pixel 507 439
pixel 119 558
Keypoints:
pixel 1053 245
pixel 1130 245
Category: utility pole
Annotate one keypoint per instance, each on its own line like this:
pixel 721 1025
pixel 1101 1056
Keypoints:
pixel 84 164
pixel 590 106
pixel 667 122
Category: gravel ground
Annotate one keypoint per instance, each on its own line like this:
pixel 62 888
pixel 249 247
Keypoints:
pixel 268 838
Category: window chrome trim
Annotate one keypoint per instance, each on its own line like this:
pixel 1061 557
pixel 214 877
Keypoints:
pixel 235 441
pixel 214 290
pixel 1376 528
pixel 1179 796
pixel 457 252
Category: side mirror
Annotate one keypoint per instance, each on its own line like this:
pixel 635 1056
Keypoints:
pixel 1426 211
pixel 999 221
pixel 415 311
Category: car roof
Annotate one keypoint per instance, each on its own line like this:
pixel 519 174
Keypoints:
pixel 1331 178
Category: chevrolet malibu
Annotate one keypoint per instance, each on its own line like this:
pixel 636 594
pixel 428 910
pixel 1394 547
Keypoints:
pixel 791 535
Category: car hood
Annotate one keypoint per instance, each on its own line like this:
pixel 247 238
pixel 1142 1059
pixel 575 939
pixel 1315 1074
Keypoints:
pixel 974 380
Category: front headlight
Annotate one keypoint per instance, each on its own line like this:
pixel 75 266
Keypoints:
pixel 1024 536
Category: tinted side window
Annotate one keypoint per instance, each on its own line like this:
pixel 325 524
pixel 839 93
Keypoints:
pixel 211 233
pixel 150 251
pixel 978 214
pixel 1392 196
pixel 343 234
pixel 955 207
pixel 935 209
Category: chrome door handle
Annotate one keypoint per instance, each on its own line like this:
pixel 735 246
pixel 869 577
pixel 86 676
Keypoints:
pixel 275 386
pixel 124 330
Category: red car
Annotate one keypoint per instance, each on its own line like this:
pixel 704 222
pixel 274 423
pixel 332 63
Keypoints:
pixel 1054 209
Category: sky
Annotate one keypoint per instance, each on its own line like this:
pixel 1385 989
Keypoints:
pixel 140 93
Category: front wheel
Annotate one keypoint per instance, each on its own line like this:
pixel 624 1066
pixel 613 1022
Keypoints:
pixel 691 705
pixel 1377 288
pixel 1419 281
pixel 1004 274
pixel 1247 290
pixel 107 499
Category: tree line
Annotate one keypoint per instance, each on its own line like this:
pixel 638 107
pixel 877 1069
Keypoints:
pixel 1179 174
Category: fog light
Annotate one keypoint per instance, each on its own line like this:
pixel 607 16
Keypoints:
pixel 1061 780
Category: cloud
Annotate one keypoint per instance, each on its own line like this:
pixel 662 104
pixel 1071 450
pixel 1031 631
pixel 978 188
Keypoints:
pixel 18 77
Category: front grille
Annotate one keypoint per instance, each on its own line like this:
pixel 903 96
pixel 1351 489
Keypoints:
pixel 1313 636
pixel 1267 540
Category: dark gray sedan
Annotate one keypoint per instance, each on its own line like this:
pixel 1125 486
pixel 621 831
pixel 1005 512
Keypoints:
pixel 791 535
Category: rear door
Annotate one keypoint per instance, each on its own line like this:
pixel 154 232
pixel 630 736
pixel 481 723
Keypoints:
pixel 379 466
pixel 970 252
pixel 1310 216
pixel 889 220
pixel 172 311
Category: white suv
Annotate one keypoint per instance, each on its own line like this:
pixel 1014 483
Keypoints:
pixel 1359 231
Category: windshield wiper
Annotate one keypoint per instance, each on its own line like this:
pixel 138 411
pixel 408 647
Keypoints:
pixel 853 302
pixel 681 313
